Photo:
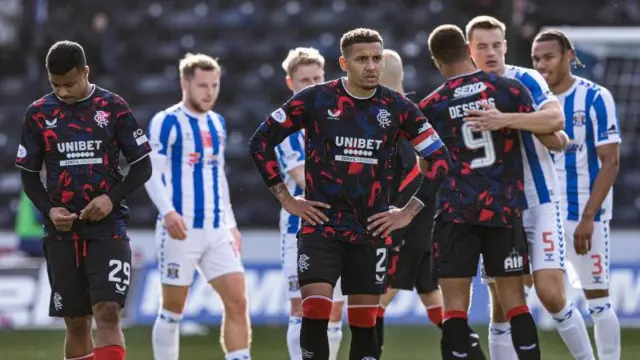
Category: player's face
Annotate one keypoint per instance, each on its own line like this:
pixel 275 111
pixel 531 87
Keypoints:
pixel 72 86
pixel 202 90
pixel 304 76
pixel 488 48
pixel 363 63
pixel 550 61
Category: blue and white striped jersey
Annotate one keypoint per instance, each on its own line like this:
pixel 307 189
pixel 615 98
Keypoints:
pixel 591 121
pixel 188 167
pixel 541 184
pixel 290 154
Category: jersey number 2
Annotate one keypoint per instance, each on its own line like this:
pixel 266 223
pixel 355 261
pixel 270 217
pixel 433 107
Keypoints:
pixel 473 142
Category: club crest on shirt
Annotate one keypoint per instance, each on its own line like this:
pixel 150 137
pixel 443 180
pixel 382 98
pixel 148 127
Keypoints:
pixel 101 118
pixel 384 118
pixel 579 118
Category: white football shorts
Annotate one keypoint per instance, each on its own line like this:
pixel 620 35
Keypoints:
pixel 592 269
pixel 210 251
pixel 544 229
pixel 289 257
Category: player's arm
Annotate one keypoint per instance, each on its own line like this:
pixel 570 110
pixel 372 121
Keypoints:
pixel 607 140
pixel 435 160
pixel 557 141
pixel 162 135
pixel 291 155
pixel 29 159
pixel 291 117
pixel 281 123
pixel 135 147
pixel 548 117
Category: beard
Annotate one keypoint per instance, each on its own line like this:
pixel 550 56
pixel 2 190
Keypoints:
pixel 196 106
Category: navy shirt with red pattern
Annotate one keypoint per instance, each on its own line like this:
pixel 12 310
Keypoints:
pixel 350 146
pixel 79 146
pixel 485 183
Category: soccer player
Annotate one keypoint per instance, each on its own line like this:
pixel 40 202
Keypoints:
pixel 542 219
pixel 479 205
pixel 351 128
pixel 78 133
pixel 304 67
pixel 410 260
pixel 196 228
pixel 587 170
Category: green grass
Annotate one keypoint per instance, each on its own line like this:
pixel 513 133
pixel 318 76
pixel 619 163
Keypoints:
pixel 269 344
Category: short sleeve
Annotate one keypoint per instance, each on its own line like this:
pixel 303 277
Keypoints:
pixel 538 88
pixel 605 119
pixel 132 140
pixel 31 149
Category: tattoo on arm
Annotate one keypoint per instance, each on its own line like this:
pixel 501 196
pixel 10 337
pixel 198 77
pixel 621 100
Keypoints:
pixel 280 191
pixel 414 206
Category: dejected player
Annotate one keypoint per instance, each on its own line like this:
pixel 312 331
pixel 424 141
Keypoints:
pixel 351 126
pixel 480 203
pixel 542 219
pixel 304 67
pixel 587 170
pixel 78 132
pixel 409 265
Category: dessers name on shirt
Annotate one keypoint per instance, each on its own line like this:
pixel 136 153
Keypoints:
pixel 358 143
pixel 459 111
pixel 83 145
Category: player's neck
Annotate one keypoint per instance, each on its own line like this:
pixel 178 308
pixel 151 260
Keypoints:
pixel 190 110
pixel 357 92
pixel 564 85
pixel 458 69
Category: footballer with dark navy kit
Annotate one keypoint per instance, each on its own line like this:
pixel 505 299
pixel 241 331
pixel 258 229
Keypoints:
pixel 77 134
pixel 352 126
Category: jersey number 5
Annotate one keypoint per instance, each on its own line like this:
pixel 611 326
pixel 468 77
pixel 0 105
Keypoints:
pixel 473 142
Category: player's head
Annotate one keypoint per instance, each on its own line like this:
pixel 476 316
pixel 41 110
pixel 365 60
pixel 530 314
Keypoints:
pixel 393 74
pixel 553 54
pixel 447 46
pixel 362 57
pixel 304 67
pixel 487 43
pixel 200 81
pixel 68 71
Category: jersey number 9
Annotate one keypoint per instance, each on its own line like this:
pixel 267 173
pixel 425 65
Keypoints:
pixel 473 142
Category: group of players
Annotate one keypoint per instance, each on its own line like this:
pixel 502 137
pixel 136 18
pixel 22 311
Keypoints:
pixel 358 207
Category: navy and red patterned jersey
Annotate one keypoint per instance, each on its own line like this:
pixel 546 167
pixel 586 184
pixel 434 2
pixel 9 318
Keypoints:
pixel 79 146
pixel 350 148
pixel 485 184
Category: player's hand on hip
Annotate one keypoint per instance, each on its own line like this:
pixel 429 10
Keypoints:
pixel 582 236
pixel 237 239
pixel 175 225
pixel 309 211
pixel 488 118
pixel 61 218
pixel 386 222
pixel 97 209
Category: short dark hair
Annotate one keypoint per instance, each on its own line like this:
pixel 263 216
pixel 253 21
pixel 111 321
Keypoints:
pixel 561 39
pixel 358 36
pixel 447 44
pixel 64 56
pixel 484 22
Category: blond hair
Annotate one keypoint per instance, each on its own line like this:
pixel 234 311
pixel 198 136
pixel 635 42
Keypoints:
pixel 191 62
pixel 484 22
pixel 301 56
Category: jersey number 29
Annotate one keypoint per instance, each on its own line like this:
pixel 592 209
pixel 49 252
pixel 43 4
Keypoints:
pixel 473 142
